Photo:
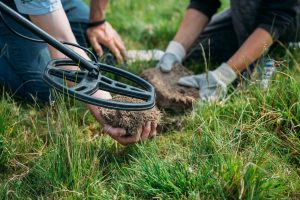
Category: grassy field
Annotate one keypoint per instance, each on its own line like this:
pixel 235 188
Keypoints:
pixel 247 148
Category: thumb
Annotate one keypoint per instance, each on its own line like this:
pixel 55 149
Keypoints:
pixel 114 132
pixel 167 62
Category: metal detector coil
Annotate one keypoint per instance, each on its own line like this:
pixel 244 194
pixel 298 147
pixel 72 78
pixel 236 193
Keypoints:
pixel 88 79
pixel 85 85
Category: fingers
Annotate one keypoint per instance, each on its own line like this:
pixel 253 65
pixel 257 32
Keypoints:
pixel 167 62
pixel 115 50
pixel 153 132
pixel 127 140
pixel 146 131
pixel 122 50
pixel 120 45
pixel 143 133
pixel 115 46
pixel 114 132
pixel 190 81
pixel 108 37
pixel 96 46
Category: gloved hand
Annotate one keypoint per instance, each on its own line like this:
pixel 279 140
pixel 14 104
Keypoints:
pixel 212 85
pixel 174 54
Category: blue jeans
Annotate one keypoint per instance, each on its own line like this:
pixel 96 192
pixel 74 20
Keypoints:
pixel 22 62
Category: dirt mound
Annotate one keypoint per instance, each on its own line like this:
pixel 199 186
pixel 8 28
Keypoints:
pixel 129 120
pixel 170 95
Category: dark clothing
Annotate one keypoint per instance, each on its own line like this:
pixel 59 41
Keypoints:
pixel 228 30
pixel 22 62
pixel 218 41
pixel 208 7
pixel 273 15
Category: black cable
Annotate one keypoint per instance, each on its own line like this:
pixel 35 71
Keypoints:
pixel 95 59
pixel 18 34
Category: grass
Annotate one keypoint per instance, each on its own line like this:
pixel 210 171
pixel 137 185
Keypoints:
pixel 247 148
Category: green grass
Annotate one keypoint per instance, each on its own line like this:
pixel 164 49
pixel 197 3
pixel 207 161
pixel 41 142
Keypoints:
pixel 247 148
pixel 143 22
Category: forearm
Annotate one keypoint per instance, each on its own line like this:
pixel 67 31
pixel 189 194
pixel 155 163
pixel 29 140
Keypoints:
pixel 191 27
pixel 253 48
pixel 59 29
pixel 97 11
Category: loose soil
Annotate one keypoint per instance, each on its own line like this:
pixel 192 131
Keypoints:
pixel 131 121
pixel 170 95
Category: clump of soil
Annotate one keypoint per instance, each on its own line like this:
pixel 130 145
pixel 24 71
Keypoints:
pixel 170 95
pixel 131 121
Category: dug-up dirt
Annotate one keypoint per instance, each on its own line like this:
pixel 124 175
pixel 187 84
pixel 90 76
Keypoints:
pixel 129 120
pixel 170 95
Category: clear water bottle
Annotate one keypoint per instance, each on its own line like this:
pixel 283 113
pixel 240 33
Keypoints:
pixel 294 45
pixel 144 55
pixel 268 70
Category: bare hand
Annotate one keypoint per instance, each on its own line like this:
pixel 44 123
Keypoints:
pixel 118 134
pixel 105 34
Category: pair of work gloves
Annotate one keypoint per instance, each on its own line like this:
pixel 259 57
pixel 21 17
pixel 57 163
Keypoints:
pixel 212 85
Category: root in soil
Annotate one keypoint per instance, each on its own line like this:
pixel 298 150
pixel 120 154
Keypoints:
pixel 131 121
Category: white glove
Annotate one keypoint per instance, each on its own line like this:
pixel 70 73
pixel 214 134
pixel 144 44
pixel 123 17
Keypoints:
pixel 174 54
pixel 212 85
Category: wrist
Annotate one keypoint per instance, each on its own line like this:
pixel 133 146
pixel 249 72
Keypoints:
pixel 96 23
pixel 225 73
pixel 176 49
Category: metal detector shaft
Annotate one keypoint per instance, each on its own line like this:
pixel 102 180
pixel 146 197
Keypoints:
pixel 89 79
pixel 48 39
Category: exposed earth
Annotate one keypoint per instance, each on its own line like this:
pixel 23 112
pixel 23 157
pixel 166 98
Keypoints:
pixel 170 95
pixel 131 121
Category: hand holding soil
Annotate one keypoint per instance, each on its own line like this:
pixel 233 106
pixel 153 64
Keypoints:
pixel 131 121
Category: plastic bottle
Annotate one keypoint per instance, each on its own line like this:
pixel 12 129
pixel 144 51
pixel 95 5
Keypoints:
pixel 268 71
pixel 294 45
pixel 144 55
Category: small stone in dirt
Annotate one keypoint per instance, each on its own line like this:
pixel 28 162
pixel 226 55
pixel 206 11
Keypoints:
pixel 131 121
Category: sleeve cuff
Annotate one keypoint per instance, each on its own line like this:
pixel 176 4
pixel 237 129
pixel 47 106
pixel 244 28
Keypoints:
pixel 38 7
pixel 270 29
pixel 209 8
